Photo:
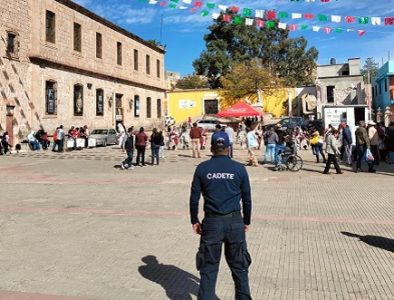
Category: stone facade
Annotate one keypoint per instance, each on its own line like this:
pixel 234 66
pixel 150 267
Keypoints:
pixel 50 83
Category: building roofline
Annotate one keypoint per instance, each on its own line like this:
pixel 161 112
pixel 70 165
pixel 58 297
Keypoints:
pixel 105 22
pixel 342 76
pixel 192 90
pixel 43 61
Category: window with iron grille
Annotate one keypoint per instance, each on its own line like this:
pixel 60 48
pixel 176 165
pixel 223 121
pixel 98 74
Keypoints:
pixel 50 97
pixel 78 100
pixel 136 106
pixel 99 102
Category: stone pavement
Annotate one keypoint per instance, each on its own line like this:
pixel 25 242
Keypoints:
pixel 75 226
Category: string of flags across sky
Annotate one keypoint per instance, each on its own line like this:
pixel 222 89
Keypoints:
pixel 266 17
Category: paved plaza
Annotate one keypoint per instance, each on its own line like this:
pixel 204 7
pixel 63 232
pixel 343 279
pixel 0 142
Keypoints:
pixel 75 226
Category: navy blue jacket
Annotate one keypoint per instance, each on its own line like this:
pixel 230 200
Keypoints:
pixel 346 137
pixel 223 183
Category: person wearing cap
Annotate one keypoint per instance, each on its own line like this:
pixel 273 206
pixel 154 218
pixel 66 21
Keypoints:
pixel 224 184
pixel 362 145
pixel 374 140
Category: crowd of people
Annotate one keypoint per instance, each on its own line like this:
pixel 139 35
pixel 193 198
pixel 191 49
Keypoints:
pixel 374 143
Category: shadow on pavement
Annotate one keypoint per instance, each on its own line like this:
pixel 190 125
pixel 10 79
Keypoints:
pixel 372 240
pixel 178 284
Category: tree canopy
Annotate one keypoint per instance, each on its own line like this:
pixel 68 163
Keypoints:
pixel 192 82
pixel 247 81
pixel 229 44
pixel 371 67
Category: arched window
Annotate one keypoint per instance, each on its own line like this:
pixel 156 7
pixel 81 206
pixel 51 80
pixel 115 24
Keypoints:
pixel 50 97
pixel 78 100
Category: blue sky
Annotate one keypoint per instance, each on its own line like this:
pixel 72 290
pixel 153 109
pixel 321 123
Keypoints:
pixel 183 31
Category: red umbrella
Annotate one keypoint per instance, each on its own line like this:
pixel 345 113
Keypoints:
pixel 240 109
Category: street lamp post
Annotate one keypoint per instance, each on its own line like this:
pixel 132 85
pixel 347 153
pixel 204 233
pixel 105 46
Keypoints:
pixel 10 122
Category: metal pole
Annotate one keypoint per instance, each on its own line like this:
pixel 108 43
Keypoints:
pixel 289 102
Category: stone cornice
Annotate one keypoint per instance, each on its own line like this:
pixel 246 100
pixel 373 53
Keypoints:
pixel 42 61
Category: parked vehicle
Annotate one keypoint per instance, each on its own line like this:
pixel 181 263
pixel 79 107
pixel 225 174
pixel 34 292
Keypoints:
pixel 104 136
pixel 208 124
pixel 289 123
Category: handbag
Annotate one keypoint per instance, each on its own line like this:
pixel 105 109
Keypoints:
pixel 368 156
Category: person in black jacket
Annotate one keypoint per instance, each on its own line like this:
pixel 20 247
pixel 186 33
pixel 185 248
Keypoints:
pixel 224 184
pixel 128 146
pixel 156 140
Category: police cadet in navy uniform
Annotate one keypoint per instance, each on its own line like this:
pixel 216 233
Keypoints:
pixel 223 184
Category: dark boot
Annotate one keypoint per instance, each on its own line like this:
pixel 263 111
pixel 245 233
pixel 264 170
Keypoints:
pixel 317 159
pixel 324 158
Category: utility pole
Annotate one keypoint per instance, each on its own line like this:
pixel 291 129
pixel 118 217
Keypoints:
pixel 289 102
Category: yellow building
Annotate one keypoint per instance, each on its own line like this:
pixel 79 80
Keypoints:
pixel 183 104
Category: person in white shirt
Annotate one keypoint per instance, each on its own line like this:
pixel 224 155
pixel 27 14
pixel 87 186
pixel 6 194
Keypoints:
pixel 230 132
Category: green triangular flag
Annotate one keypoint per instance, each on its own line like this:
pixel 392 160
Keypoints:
pixel 363 20
pixel 204 13
pixel 247 12
pixel 339 30
pixel 283 15
pixel 304 26
pixel 270 24
pixel 322 17
pixel 237 20
pixel 211 5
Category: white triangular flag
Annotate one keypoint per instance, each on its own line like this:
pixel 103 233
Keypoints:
pixel 259 13
pixel 296 16
pixel 336 19
pixel 376 21
pixel 248 21
pixel 215 16
pixel 222 7
pixel 187 1
pixel 183 7
pixel 153 1
pixel 316 28
pixel 282 25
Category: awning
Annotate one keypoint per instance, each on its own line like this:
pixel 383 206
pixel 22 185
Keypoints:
pixel 240 109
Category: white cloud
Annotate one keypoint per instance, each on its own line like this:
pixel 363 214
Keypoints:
pixel 139 16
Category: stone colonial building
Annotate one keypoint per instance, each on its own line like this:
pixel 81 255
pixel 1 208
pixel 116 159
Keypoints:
pixel 62 64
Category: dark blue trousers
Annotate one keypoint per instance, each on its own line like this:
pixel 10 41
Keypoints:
pixel 216 231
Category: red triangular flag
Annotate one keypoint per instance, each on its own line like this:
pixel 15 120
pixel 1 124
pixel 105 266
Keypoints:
pixel 350 19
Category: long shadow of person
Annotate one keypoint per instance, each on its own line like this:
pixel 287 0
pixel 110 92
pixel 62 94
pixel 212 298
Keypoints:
pixel 178 284
pixel 375 241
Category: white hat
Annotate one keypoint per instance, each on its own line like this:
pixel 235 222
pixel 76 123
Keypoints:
pixel 371 123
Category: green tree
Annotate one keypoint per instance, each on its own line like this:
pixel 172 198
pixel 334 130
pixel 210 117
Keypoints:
pixel 230 43
pixel 247 81
pixel 192 82
pixel 371 67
